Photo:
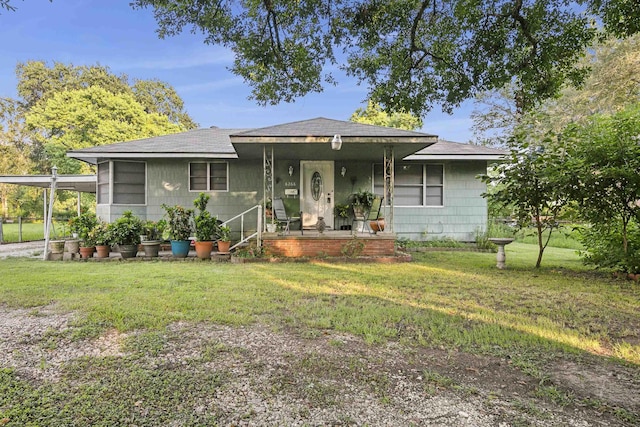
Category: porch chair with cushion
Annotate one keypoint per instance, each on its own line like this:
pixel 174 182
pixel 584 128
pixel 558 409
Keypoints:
pixel 374 214
pixel 281 217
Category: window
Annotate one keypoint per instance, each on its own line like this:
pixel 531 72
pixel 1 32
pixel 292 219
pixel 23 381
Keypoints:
pixel 209 176
pixel 129 183
pixel 103 183
pixel 415 184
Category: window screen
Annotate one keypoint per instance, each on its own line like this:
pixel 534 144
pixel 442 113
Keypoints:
pixel 129 183
pixel 103 183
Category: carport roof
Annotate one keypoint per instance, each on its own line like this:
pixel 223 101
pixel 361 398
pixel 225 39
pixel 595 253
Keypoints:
pixel 81 183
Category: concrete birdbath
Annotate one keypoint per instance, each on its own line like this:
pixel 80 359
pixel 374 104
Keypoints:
pixel 501 257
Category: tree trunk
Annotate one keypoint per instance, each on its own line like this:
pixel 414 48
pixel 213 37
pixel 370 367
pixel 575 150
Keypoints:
pixel 540 245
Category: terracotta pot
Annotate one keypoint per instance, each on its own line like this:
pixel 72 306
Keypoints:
pixel 87 252
pixel 203 249
pixel 377 225
pixel 223 247
pixel 102 251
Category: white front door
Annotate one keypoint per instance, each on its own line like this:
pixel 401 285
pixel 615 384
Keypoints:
pixel 316 198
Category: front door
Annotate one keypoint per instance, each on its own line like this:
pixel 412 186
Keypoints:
pixel 316 198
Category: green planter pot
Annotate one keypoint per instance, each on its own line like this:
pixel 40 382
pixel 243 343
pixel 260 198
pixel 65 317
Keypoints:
pixel 180 248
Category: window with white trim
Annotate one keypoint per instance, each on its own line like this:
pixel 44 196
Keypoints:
pixel 415 184
pixel 103 183
pixel 213 176
pixel 129 183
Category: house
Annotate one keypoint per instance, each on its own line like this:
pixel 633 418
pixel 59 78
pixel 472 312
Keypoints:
pixel 431 185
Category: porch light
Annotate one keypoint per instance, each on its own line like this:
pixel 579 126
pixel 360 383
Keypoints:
pixel 336 142
pixel 290 170
pixel 343 171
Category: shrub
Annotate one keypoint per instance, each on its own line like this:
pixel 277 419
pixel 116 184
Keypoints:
pixel 126 230
pixel 179 222
pixel 605 248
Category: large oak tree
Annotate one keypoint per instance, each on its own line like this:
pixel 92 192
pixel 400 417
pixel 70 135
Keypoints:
pixel 413 54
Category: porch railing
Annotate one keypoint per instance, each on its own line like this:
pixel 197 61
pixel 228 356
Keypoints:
pixel 241 217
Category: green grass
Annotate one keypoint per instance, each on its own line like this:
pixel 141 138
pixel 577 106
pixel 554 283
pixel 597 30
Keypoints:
pixel 32 231
pixel 563 237
pixel 453 299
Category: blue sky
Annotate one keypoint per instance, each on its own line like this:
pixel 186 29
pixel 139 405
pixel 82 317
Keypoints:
pixel 111 33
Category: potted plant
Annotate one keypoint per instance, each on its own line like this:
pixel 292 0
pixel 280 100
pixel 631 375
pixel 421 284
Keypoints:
pixel 82 226
pixel 343 211
pixel 153 231
pixel 362 200
pixel 125 234
pixel 206 227
pixel 180 229
pixel 100 237
pixel 224 239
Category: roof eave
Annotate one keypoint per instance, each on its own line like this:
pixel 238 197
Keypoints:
pixel 488 157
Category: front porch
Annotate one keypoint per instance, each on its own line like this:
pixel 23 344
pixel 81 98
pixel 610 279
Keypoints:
pixel 331 243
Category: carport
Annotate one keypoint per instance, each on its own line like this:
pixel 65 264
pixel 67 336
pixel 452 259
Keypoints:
pixel 53 182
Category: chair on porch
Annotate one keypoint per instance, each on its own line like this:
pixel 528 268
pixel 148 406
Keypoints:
pixel 281 217
pixel 374 214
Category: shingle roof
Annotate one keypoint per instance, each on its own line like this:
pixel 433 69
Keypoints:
pixel 323 127
pixel 443 148
pixel 210 141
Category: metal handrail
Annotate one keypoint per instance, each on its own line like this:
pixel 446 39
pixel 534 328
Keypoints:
pixel 257 234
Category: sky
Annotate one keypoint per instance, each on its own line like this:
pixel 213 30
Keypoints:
pixel 111 33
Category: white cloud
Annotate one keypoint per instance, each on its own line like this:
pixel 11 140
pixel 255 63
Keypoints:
pixel 212 85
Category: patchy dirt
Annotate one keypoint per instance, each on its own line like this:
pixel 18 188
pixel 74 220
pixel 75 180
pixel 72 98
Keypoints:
pixel 290 377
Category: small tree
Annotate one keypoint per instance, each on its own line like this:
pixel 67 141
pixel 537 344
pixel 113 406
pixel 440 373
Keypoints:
pixel 603 170
pixel 530 183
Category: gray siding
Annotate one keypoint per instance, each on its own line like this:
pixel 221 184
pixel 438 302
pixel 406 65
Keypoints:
pixel 464 211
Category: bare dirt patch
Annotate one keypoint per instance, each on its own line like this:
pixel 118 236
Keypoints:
pixel 289 377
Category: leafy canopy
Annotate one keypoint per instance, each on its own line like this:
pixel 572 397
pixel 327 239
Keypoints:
pixel 91 117
pixel 375 115
pixel 412 53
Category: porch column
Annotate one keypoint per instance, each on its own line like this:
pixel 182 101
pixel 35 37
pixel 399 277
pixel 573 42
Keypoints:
pixel 52 192
pixel 389 176
pixel 267 182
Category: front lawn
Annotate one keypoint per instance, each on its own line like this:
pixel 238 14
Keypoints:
pixel 199 343
pixel 444 298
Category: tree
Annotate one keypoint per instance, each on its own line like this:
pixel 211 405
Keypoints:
pixel 14 149
pixel 375 115
pixel 412 54
pixel 528 183
pixel 37 81
pixel 603 174
pixel 611 85
pixel 159 97
pixel 90 117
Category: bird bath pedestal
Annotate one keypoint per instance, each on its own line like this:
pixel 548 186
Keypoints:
pixel 501 242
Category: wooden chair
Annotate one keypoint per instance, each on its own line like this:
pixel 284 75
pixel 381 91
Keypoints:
pixel 281 216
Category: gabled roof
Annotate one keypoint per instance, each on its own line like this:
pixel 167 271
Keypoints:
pixel 206 143
pixel 448 150
pixel 311 139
